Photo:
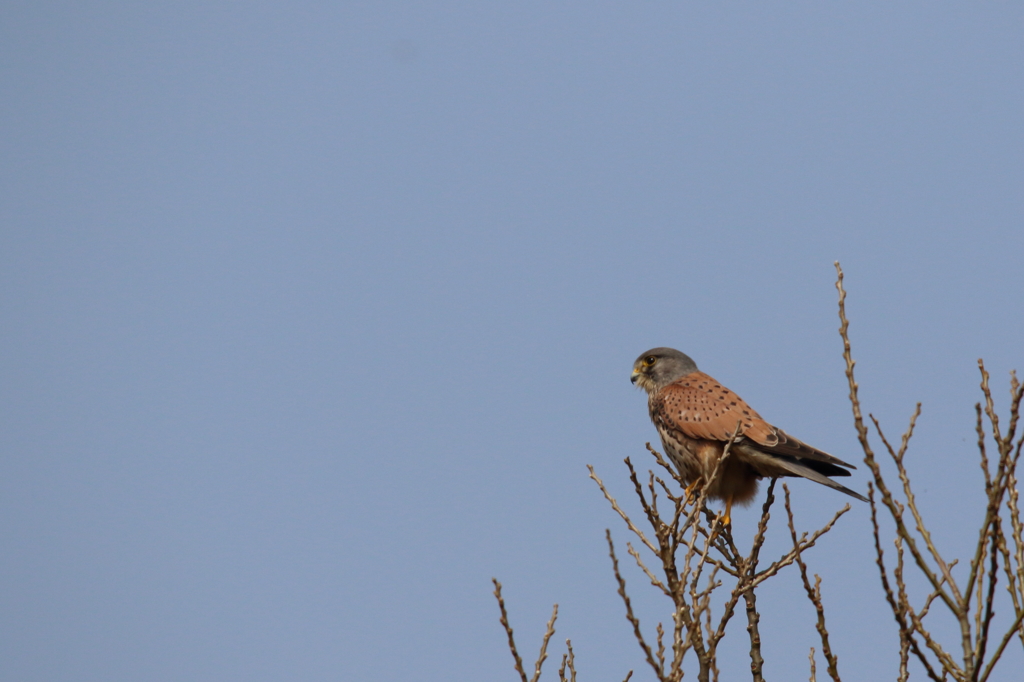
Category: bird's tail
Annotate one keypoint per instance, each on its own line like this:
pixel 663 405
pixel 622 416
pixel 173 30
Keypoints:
pixel 797 469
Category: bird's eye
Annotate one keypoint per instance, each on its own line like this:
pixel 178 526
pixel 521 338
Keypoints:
pixel 649 360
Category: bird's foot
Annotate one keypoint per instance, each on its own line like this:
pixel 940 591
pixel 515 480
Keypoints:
pixel 726 516
pixel 692 491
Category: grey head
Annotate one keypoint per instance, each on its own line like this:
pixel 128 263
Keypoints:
pixel 658 367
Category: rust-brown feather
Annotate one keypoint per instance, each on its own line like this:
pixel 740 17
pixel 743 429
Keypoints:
pixel 699 407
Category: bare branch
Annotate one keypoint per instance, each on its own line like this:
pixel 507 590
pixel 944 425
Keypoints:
pixel 790 556
pixel 1017 624
pixel 634 621
pixel 640 562
pixel 508 631
pixel 543 655
pixel 753 617
pixel 568 662
pixel 814 594
pixel 955 598
pixel 907 641
pixel 615 505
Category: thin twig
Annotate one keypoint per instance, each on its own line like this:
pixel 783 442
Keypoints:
pixel 615 505
pixel 634 621
pixel 543 655
pixel 753 617
pixel 508 631
pixel 907 640
pixel 568 661
pixel 814 594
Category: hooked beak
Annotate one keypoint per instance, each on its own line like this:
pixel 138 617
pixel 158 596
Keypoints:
pixel 634 376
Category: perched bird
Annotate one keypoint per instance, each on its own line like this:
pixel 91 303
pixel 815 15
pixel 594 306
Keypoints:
pixel 696 416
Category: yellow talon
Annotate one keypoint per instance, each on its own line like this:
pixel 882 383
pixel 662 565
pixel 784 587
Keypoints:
pixel 727 516
pixel 690 491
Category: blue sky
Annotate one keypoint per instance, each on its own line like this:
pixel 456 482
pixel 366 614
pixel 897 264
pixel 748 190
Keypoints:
pixel 314 313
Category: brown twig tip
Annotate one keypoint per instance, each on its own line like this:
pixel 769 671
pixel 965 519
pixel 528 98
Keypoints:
pixel 508 631
pixel 568 661
pixel 548 634
pixel 543 655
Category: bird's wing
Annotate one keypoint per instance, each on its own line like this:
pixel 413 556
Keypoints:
pixel 699 407
pixel 788 446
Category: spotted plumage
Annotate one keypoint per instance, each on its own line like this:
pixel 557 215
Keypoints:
pixel 695 417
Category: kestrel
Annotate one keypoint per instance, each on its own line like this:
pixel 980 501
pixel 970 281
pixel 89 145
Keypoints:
pixel 695 417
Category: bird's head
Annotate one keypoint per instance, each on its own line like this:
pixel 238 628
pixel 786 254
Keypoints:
pixel 661 366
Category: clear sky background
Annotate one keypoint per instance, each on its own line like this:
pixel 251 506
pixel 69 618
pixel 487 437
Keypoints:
pixel 314 313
